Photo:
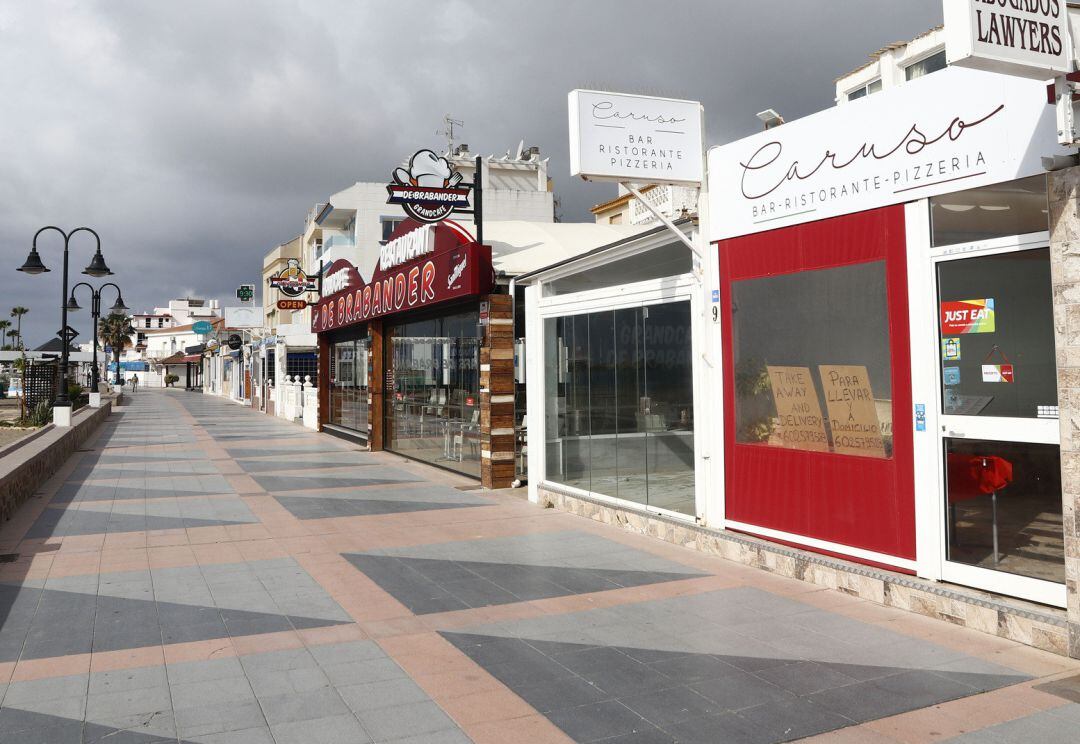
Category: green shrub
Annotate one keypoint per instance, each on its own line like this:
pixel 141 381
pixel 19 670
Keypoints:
pixel 41 415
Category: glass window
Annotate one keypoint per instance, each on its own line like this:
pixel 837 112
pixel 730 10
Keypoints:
pixel 619 404
pixel 349 384
pixel 432 403
pixel 1004 507
pixel 933 63
pixel 865 90
pixel 389 224
pixel 1000 210
pixel 812 364
pixel 996 318
pixel 672 259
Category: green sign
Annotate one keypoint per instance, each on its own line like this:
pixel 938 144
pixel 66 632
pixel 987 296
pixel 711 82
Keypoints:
pixel 202 327
pixel 245 292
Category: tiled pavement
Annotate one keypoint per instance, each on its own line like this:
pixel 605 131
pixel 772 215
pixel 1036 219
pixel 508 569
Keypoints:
pixel 203 573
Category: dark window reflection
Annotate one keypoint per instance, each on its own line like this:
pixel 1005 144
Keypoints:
pixel 1004 507
pixel 432 405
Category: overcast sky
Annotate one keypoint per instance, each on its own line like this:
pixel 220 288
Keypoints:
pixel 196 135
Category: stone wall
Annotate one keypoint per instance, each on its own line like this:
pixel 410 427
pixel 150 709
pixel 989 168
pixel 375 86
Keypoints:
pixel 1064 196
pixel 1031 624
pixel 24 469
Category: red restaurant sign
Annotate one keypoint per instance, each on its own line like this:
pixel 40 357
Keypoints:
pixel 421 265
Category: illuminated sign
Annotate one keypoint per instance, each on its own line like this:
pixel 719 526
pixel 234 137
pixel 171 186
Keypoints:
pixel 293 281
pixel 430 190
pixel 456 266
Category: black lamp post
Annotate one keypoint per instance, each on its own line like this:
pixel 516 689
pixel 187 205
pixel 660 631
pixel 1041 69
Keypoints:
pixel 95 313
pixel 97 268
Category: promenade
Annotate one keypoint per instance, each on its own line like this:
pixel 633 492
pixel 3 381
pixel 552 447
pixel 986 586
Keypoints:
pixel 203 573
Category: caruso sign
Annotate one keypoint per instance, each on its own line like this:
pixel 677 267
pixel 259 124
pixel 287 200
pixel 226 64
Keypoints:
pixel 1029 38
pixel 421 265
pixel 640 139
pixel 953 130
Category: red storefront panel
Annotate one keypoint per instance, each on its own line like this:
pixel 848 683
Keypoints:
pixel 444 263
pixel 857 501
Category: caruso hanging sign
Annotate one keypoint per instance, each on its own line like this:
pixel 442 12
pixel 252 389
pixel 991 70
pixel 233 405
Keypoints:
pixel 1029 38
pixel 953 130
pixel 421 265
pixel 639 139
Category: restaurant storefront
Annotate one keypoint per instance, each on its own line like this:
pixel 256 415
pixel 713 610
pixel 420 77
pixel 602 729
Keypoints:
pixel 889 366
pixel 614 341
pixel 418 358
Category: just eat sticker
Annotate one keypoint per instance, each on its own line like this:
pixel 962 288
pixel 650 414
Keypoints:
pixel 968 316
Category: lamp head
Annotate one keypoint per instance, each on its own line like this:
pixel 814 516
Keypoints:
pixel 72 304
pixel 33 264
pixel 97 266
pixel 119 308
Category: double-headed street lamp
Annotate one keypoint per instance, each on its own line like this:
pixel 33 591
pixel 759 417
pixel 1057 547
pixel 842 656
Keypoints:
pixel 97 268
pixel 95 313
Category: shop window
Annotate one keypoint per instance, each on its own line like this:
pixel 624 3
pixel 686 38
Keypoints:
pixel 301 363
pixel 669 260
pixel 432 406
pixel 619 404
pixel 1003 209
pixel 934 63
pixel 996 319
pixel 812 366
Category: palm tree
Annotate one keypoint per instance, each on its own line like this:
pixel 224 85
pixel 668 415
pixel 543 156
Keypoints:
pixel 115 331
pixel 17 313
pixel 4 325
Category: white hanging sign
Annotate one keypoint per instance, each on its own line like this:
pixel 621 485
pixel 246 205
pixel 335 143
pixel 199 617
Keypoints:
pixel 640 139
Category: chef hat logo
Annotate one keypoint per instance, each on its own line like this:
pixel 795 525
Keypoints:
pixel 429 170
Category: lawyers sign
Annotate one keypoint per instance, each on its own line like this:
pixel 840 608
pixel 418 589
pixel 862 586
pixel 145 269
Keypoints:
pixel 639 139
pixel 1029 38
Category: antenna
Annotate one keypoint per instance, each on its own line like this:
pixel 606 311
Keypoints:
pixel 448 131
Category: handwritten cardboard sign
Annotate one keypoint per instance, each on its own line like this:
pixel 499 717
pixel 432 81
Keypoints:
pixel 798 413
pixel 852 411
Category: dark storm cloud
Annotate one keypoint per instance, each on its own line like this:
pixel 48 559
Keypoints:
pixel 195 136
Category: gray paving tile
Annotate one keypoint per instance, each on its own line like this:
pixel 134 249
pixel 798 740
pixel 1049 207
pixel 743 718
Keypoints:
pixel 424 584
pixel 341 729
pixel 597 721
pixel 381 694
pixel 303 706
pixel 400 721
pixel 307 507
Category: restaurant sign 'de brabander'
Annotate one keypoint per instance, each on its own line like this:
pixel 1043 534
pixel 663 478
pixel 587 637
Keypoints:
pixel 421 265
pixel 956 129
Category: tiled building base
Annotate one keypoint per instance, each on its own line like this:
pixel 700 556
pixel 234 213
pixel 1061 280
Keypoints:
pixel 1034 625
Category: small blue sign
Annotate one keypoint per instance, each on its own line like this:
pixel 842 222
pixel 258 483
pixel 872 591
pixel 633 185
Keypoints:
pixel 920 417
pixel 716 295
pixel 952 375
pixel 202 327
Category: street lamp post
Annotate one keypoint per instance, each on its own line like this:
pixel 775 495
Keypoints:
pixel 97 268
pixel 95 313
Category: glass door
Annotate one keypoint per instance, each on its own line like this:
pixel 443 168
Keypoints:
pixel 1001 465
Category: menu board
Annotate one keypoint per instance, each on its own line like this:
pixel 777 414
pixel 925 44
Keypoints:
pixel 852 411
pixel 798 413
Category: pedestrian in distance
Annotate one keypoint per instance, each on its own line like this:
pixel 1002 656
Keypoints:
pixel 134 382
